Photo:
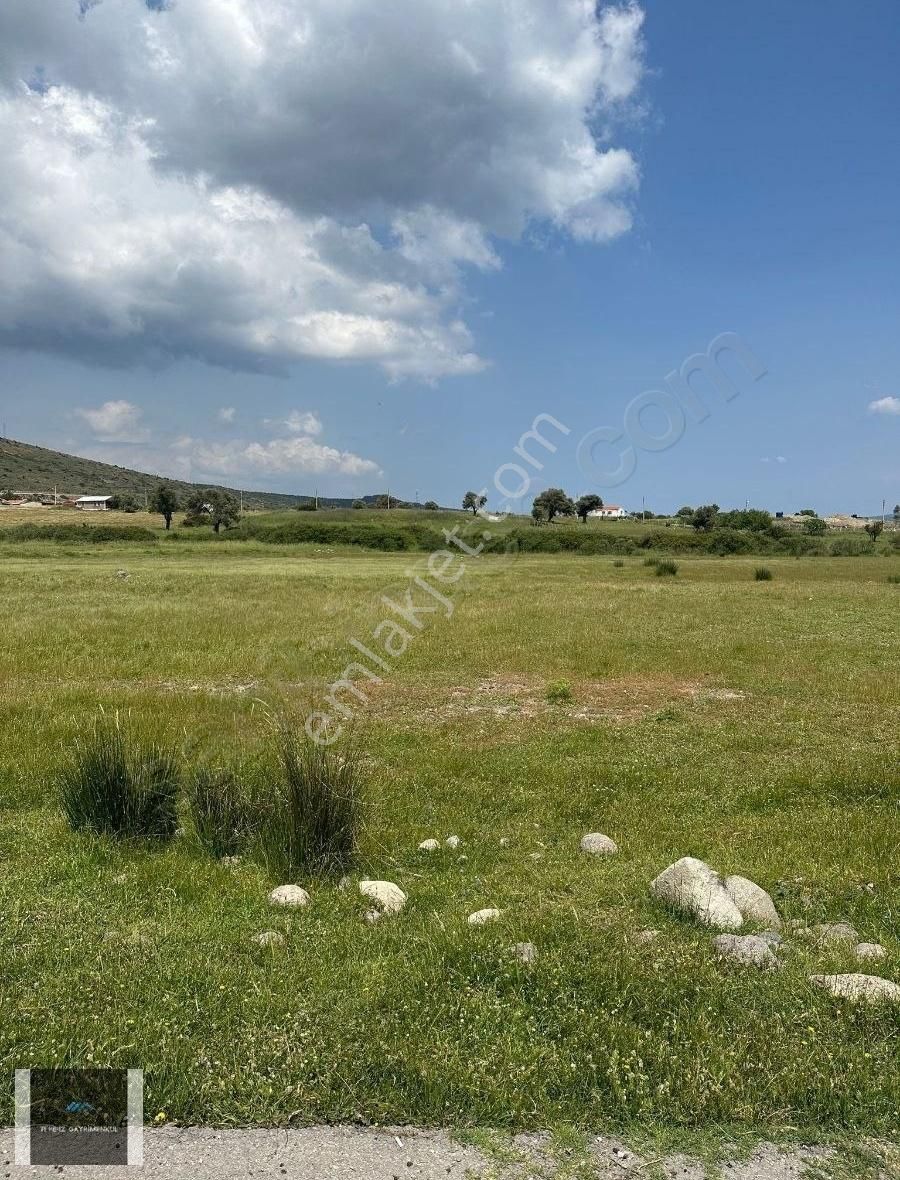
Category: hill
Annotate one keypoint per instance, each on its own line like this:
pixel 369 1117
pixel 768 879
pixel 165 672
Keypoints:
pixel 27 468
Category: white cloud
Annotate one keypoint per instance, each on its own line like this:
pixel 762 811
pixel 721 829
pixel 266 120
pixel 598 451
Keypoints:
pixel 227 413
pixel 304 422
pixel 251 184
pixel 300 455
pixel 885 405
pixel 115 421
pixel 777 459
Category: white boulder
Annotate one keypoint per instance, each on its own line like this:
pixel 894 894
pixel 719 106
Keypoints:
pixel 754 903
pixel 871 989
pixel 389 898
pixel 598 844
pixel 289 895
pixel 269 938
pixel 482 917
pixel 747 949
pixel 870 952
pixel 452 842
pixel 429 846
pixel 692 886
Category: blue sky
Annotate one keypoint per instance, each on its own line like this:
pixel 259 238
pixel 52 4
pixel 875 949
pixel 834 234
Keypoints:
pixel 751 186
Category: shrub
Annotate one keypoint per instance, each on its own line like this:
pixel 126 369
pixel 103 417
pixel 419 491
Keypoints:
pixel 313 824
pixel 762 573
pixel 223 809
pixel 618 563
pixel 666 569
pixel 90 534
pixel 559 692
pixel 111 789
pixel 651 561
pixel 894 579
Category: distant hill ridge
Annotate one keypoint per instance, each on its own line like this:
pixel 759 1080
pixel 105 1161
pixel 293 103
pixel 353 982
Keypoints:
pixel 27 468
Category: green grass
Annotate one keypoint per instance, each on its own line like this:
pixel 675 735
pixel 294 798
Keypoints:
pixel 762 737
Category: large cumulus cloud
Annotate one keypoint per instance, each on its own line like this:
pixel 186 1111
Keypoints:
pixel 252 183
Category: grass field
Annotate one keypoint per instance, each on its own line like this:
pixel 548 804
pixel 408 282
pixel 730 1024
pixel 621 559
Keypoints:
pixel 753 724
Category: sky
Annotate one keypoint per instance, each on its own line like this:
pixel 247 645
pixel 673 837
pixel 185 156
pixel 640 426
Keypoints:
pixel 330 245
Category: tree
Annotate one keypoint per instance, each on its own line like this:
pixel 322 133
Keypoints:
pixel 755 520
pixel 213 506
pixel 431 505
pixel 897 512
pixel 875 528
pixel 807 512
pixel 815 526
pixel 586 504
pixel 124 502
pixel 687 510
pixel 165 501
pixel 554 502
pixel 358 504
pixel 705 517
pixel 474 501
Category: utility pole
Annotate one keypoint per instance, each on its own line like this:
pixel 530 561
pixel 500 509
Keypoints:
pixel 389 499
pixel 643 517
pixel 317 499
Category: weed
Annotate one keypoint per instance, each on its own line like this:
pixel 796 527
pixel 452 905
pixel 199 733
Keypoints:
pixel 762 573
pixel 313 825
pixel 666 569
pixel 224 810
pixel 559 692
pixel 111 789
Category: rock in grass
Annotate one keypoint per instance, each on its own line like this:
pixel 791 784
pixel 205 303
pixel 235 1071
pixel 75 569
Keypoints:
pixel 452 842
pixel 482 917
pixel 429 846
pixel 870 952
pixel 389 898
pixel 598 844
pixel 754 903
pixel 747 949
pixel 871 989
pixel 692 886
pixel 830 933
pixel 645 937
pixel 772 937
pixel 525 952
pixel 269 938
pixel 289 895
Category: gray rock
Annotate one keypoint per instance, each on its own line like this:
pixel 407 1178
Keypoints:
pixel 754 903
pixel 289 895
pixel 269 938
pixel 452 842
pixel 747 949
pixel 389 898
pixel 830 933
pixel 870 952
pixel 482 917
pixel 871 989
pixel 692 886
pixel 429 846
pixel 525 952
pixel 772 937
pixel 598 844
pixel 504 841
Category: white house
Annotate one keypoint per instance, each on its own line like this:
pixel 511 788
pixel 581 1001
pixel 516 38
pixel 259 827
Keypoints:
pixel 609 512
pixel 93 503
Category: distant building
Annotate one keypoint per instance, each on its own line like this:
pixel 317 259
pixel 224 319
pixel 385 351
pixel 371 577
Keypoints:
pixel 93 503
pixel 609 512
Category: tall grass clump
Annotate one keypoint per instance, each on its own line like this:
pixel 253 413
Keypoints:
pixel 666 569
pixel 313 824
pixel 225 810
pixel 121 789
pixel 762 573
pixel 894 579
